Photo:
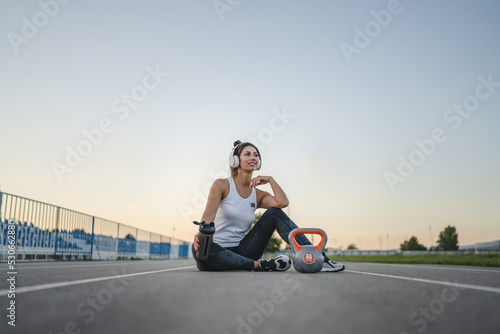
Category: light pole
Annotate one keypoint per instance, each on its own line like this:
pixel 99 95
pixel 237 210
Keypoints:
pixel 430 231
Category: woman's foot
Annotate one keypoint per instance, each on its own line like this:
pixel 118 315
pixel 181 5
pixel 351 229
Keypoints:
pixel 330 266
pixel 279 263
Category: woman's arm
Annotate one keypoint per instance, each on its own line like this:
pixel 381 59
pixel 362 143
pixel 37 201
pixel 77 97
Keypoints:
pixel 265 199
pixel 214 198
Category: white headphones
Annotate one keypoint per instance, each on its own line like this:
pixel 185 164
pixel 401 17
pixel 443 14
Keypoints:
pixel 234 161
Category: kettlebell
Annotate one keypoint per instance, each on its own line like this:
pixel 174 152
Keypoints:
pixel 307 258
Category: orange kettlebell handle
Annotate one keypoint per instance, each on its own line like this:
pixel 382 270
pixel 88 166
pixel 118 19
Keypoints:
pixel 308 231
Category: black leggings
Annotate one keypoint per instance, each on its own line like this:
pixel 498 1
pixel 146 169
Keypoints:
pixel 252 246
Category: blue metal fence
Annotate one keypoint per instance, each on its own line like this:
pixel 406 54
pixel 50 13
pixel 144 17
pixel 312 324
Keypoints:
pixel 44 231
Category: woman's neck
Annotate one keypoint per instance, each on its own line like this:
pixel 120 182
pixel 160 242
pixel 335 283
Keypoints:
pixel 242 179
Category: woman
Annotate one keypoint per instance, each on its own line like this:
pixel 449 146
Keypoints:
pixel 231 206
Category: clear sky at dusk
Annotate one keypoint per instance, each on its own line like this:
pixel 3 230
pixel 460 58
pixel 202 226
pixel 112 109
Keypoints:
pixel 379 119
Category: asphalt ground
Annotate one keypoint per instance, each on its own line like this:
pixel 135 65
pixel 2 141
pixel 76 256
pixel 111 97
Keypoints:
pixel 174 297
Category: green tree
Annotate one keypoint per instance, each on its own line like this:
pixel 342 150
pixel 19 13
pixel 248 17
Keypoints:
pixel 274 244
pixel 448 238
pixel 352 246
pixel 412 244
pixel 129 237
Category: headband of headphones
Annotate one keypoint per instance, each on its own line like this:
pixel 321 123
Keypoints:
pixel 234 161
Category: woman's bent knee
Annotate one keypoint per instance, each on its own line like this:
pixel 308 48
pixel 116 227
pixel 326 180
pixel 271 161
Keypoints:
pixel 203 267
pixel 199 263
pixel 275 211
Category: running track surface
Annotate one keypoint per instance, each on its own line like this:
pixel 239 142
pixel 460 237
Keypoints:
pixel 174 297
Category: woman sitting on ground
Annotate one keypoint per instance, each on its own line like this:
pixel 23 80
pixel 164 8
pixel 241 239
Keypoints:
pixel 231 206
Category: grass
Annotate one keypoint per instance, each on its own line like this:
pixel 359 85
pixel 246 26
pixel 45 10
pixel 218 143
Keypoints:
pixel 481 260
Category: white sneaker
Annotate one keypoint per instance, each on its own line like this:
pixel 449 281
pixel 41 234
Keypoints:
pixel 330 266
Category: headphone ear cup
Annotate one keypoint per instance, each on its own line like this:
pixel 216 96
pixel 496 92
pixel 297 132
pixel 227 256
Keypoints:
pixel 259 164
pixel 234 162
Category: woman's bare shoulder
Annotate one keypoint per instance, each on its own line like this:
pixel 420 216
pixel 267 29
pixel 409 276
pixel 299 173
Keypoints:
pixel 222 186
pixel 222 182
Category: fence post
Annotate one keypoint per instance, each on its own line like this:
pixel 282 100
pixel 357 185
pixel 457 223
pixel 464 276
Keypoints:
pixel 56 233
pixel 1 222
pixel 92 239
pixel 1 198
pixel 117 238
pixel 136 240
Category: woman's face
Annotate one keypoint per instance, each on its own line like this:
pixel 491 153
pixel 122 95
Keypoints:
pixel 249 158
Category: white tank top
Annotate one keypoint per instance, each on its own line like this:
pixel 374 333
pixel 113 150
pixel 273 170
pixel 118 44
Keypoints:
pixel 234 217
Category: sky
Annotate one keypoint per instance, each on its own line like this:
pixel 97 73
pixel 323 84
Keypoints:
pixel 379 119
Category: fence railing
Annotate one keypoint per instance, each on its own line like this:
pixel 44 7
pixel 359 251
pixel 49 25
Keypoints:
pixel 46 231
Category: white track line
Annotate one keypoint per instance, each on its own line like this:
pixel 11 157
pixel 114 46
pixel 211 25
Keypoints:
pixel 84 281
pixel 104 263
pixel 458 285
pixel 428 267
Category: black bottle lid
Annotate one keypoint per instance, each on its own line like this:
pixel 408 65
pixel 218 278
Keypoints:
pixel 206 228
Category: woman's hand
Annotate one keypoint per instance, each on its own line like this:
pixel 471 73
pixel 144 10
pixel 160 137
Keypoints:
pixel 260 180
pixel 196 242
